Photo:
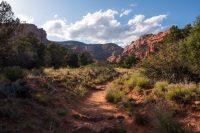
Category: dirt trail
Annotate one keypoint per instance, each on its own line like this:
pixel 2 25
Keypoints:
pixel 95 114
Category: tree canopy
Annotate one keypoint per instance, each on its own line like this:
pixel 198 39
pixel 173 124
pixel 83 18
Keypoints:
pixel 26 51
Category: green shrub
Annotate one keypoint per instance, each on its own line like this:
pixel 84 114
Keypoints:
pixel 160 88
pixel 142 82
pixel 14 73
pixel 130 83
pixel 129 62
pixel 183 93
pixel 115 95
pixel 137 83
pixel 133 80
pixel 177 59
pixel 139 80
pixel 81 90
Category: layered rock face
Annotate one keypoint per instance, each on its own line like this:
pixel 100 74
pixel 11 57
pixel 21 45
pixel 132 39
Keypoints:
pixel 142 47
pixel 40 34
pixel 98 52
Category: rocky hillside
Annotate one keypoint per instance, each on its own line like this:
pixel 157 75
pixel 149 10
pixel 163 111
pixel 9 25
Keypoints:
pixel 98 51
pixel 142 47
pixel 38 32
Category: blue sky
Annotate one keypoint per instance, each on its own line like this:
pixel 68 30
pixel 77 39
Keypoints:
pixel 118 21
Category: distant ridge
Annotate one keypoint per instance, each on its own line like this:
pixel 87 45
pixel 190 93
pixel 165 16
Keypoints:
pixel 98 52
pixel 71 43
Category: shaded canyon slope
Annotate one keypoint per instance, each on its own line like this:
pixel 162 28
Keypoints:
pixel 98 52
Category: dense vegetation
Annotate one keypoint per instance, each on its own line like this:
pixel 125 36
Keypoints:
pixel 25 51
pixel 178 57
pixel 126 62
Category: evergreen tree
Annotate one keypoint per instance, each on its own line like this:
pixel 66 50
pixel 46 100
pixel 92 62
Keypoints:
pixel 129 62
pixel 190 48
pixel 8 26
pixel 84 59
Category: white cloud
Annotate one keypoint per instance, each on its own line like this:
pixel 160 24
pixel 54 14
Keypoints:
pixel 55 16
pixel 136 20
pixel 125 12
pixel 55 28
pixel 102 27
pixel 26 19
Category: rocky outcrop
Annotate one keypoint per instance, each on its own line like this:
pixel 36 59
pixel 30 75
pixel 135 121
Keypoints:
pixel 142 47
pixel 98 52
pixel 39 33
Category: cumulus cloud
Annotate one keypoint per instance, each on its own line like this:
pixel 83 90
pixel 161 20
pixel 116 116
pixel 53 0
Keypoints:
pixel 103 27
pixel 26 19
pixel 125 12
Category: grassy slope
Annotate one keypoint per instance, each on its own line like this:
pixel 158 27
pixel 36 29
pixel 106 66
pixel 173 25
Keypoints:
pixel 45 106
pixel 163 106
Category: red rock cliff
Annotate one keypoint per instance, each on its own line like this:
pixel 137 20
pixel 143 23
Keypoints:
pixel 142 47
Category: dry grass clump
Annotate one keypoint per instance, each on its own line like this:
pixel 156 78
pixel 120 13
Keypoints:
pixel 115 96
pixel 180 93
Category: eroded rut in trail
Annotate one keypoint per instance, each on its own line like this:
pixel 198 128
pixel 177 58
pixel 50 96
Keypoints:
pixel 96 115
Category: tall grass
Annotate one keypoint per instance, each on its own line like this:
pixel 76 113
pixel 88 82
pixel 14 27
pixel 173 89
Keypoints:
pixel 80 79
pixel 115 96
pixel 181 93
